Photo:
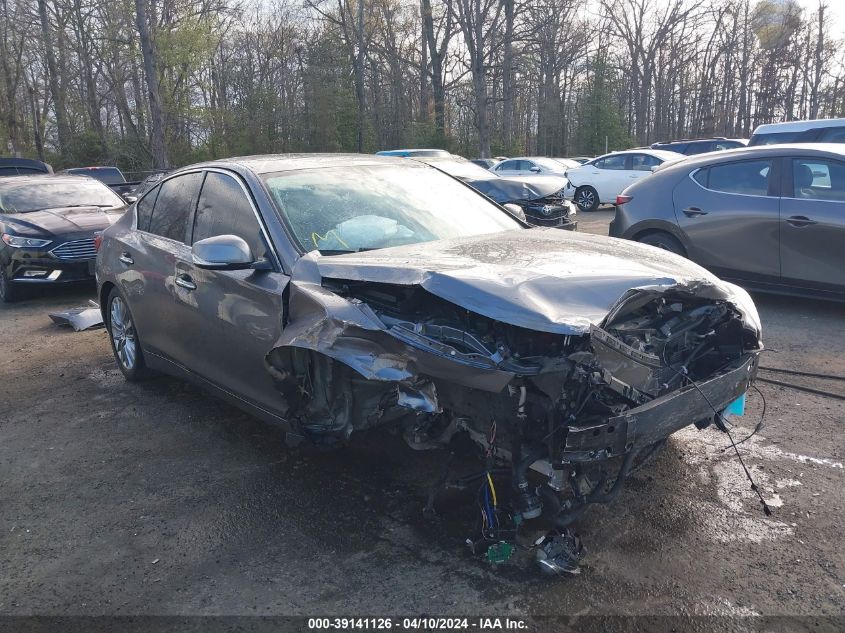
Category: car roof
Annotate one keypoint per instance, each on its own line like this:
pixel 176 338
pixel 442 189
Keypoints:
pixel 42 178
pixel 12 161
pixel 830 150
pixel 657 153
pixel 270 163
pixel 91 167
pixel 798 126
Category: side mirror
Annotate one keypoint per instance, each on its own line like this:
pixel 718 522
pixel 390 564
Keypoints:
pixel 130 199
pixel 515 210
pixel 535 170
pixel 653 167
pixel 222 252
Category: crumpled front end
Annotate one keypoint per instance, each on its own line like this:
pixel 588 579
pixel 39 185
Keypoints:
pixel 400 353
pixel 578 402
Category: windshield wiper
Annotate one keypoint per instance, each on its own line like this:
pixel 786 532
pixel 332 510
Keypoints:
pixel 64 206
pixel 343 251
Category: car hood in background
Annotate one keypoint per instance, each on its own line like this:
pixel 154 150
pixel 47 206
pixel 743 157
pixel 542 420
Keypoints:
pixel 528 188
pixel 63 220
pixel 541 279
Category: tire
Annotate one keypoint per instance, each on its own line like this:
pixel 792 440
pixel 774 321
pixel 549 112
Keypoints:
pixel 663 240
pixel 125 344
pixel 587 198
pixel 8 292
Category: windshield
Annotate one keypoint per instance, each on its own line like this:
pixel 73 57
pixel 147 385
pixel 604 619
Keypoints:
pixel 343 209
pixel 548 163
pixel 31 196
pixel 108 175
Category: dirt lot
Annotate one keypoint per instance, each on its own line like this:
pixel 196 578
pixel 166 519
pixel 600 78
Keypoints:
pixel 157 499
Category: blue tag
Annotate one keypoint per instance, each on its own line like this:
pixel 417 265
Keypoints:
pixel 737 407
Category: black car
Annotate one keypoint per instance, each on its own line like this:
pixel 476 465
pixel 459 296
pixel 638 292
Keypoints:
pixel 539 197
pixel 691 146
pixel 23 167
pixel 48 225
pixel 110 176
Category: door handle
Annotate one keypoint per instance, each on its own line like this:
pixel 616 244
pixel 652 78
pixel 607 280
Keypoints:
pixel 800 220
pixel 692 212
pixel 185 281
pixel 126 258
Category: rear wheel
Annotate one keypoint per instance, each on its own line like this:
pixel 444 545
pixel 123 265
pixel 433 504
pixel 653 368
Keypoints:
pixel 587 198
pixel 8 292
pixel 124 338
pixel 663 240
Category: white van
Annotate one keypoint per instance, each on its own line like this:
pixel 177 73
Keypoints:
pixel 815 131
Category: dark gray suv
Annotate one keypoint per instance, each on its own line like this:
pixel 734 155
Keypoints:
pixel 770 218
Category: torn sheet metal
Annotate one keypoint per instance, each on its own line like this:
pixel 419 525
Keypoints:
pixel 81 318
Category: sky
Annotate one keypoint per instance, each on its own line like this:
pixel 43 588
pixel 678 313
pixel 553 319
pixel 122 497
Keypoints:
pixel 836 10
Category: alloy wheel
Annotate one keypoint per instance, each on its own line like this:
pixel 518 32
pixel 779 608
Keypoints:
pixel 123 333
pixel 585 199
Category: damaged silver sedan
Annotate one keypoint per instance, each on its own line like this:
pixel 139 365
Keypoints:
pixel 331 294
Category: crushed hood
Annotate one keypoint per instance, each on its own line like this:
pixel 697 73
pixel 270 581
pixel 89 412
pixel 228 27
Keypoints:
pixel 546 280
pixel 66 220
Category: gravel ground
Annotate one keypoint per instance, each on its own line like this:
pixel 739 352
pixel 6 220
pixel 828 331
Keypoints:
pixel 159 499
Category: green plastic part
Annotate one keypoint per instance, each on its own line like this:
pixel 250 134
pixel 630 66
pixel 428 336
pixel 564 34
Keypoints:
pixel 499 553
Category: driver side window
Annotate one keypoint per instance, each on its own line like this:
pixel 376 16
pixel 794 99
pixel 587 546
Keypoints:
pixel 224 209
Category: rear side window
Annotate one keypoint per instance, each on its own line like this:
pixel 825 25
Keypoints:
pixel 699 148
pixel 750 177
pixel 144 209
pixel 774 138
pixel 833 135
pixel 815 179
pixel 173 206
pixel 224 209
pixel 611 162
pixel 644 162
pixel 508 164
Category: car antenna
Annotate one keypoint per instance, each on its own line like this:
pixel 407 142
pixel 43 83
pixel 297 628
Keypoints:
pixel 721 424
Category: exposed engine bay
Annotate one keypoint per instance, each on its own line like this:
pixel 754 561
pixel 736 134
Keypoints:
pixel 562 418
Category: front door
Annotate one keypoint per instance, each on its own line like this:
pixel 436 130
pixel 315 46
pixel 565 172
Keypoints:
pixel 231 319
pixel 812 229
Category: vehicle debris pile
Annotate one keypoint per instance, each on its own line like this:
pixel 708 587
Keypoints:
pixel 566 413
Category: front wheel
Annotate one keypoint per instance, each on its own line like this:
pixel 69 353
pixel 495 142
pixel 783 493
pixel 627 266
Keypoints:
pixel 587 198
pixel 124 338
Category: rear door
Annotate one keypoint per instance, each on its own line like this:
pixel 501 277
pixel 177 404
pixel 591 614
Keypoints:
pixel 812 226
pixel 641 166
pixel 230 320
pixel 730 213
pixel 148 260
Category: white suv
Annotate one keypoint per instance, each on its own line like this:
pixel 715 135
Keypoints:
pixel 814 131
pixel 600 180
